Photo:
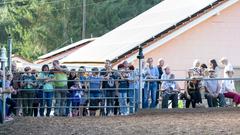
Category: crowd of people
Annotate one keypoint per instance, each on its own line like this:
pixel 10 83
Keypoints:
pixel 109 91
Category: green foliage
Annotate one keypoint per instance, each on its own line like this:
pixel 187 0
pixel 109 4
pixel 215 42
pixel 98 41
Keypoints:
pixel 40 26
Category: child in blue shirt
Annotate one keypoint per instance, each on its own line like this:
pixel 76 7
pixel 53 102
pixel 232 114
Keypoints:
pixel 77 95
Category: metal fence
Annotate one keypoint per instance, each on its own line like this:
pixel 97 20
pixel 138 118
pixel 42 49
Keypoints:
pixel 92 97
pixel 108 101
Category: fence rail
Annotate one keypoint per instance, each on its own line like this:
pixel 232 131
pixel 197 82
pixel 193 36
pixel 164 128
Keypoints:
pixel 137 97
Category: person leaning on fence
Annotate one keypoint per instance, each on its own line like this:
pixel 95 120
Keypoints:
pixel 212 91
pixel 28 83
pixel 37 95
pixel 122 87
pixel 82 78
pixel 109 84
pixel 94 91
pixel 228 88
pixel 16 86
pixel 46 88
pixel 170 91
pixel 71 77
pixel 10 104
pixel 151 72
pixel 133 89
pixel 77 95
pixel 60 84
pixel 11 91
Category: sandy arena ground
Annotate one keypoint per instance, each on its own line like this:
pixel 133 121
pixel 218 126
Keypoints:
pixel 218 121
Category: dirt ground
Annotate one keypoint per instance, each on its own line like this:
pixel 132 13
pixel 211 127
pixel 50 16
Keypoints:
pixel 218 121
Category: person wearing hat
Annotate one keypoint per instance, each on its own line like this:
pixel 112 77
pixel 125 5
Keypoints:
pixel 228 88
pixel 212 91
pixel 28 82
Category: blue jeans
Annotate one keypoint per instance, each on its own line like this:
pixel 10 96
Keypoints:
pixel 132 98
pixel 46 100
pixel 123 102
pixel 149 87
pixel 60 104
pixel 1 111
pixel 212 101
pixel 173 97
pixel 110 102
pixel 69 102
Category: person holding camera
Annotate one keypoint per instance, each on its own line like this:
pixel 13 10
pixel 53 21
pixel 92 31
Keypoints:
pixel 60 84
pixel 122 87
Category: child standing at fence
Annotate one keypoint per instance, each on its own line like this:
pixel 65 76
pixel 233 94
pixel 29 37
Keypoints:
pixel 77 95
pixel 94 91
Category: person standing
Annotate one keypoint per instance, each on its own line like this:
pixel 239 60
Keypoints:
pixel 72 76
pixel 122 87
pixel 60 84
pixel 16 86
pixel 213 64
pixel 95 88
pixel 151 72
pixel 109 86
pixel 45 83
pixel 227 66
pixel 160 70
pixel 28 83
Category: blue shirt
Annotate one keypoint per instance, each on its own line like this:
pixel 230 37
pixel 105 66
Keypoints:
pixel 95 85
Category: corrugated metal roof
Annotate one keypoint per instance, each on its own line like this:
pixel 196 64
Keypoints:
pixel 66 48
pixel 138 30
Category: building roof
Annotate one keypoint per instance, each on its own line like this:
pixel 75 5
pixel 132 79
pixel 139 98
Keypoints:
pixel 62 52
pixel 66 48
pixel 138 30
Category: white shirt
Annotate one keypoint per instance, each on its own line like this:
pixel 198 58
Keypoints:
pixel 229 67
pixel 227 85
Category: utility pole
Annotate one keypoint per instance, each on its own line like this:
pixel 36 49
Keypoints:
pixel 84 20
pixel 140 58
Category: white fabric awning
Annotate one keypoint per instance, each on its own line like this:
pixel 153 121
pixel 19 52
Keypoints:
pixel 136 31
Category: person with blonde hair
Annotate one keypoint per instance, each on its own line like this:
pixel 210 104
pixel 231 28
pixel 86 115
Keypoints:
pixel 196 68
pixel 227 66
